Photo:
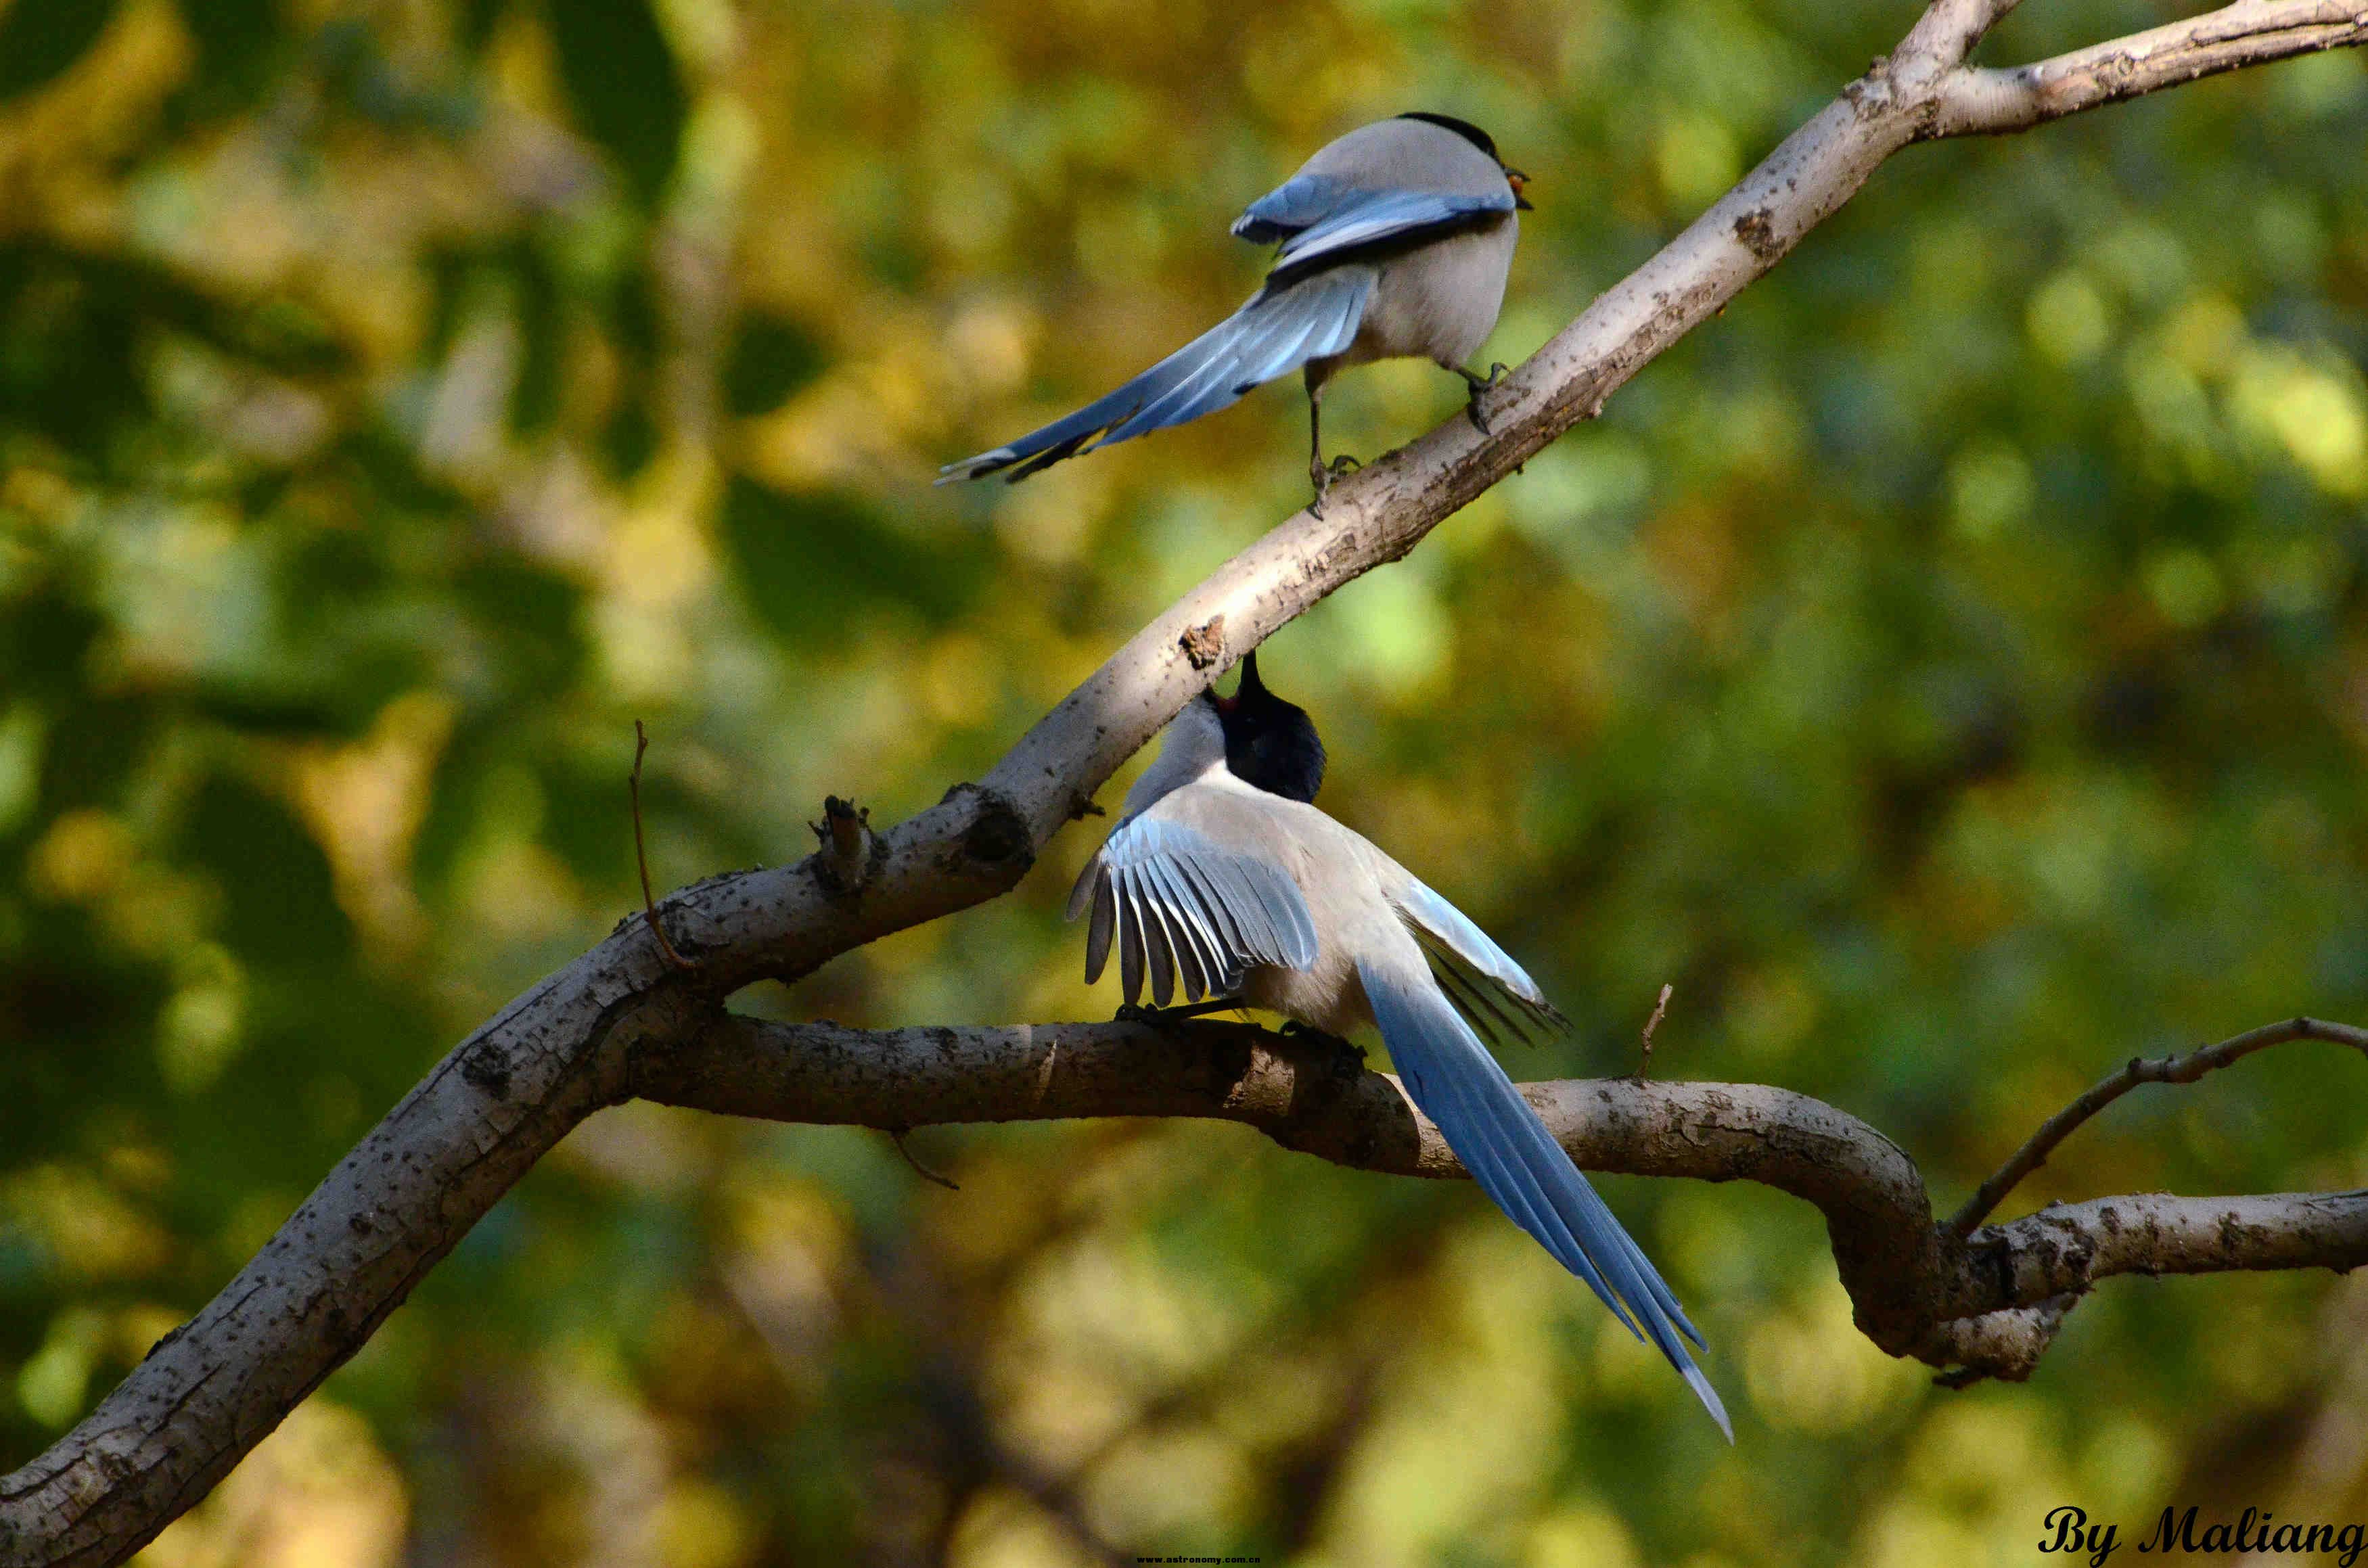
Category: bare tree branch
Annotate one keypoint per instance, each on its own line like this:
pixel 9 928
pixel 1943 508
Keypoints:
pixel 2250 32
pixel 1987 1301
pixel 496 1103
pixel 2138 1069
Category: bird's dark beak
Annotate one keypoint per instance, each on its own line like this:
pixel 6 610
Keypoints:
pixel 1247 686
pixel 1516 179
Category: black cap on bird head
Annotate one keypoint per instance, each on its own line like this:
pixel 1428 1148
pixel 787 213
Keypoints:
pixel 1269 744
pixel 1482 140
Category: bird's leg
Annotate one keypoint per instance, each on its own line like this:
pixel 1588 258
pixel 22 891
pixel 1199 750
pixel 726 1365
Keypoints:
pixel 1320 474
pixel 1317 474
pixel 1481 386
pixel 1160 1018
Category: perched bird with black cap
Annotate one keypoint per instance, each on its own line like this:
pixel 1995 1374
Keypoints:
pixel 1395 241
pixel 1221 871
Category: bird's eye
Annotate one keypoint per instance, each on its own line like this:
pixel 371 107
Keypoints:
pixel 1516 179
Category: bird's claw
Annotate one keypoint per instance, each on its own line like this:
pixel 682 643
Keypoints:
pixel 1481 386
pixel 1322 474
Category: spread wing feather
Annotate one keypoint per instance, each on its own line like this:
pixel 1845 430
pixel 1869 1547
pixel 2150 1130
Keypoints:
pixel 1495 995
pixel 1181 907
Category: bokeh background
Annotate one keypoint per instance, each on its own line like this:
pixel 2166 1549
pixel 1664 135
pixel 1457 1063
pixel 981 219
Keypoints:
pixel 1949 668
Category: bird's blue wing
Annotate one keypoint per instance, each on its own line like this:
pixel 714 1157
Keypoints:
pixel 1492 992
pixel 1175 901
pixel 1363 218
pixel 1299 202
pixel 1459 1085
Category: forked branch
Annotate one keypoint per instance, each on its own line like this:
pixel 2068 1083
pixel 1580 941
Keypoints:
pixel 2139 1070
pixel 1978 1303
pixel 1975 102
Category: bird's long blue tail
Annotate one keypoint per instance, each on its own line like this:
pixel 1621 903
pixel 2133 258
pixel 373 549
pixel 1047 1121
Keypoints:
pixel 1276 332
pixel 1460 1085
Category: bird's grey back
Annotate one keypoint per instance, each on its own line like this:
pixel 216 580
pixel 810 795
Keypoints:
pixel 1338 868
pixel 1409 155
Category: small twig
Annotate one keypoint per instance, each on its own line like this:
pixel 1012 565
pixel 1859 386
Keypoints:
pixel 845 835
pixel 896 1136
pixel 1660 1011
pixel 2139 1070
pixel 642 857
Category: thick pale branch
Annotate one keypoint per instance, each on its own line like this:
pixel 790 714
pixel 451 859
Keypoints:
pixel 393 1208
pixel 1315 1100
pixel 1988 1303
pixel 2070 1246
pixel 2251 33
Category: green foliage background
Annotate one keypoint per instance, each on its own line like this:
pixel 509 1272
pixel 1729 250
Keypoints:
pixel 1950 668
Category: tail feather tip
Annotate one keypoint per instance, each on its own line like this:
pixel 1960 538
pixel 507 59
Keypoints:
pixel 1700 1383
pixel 978 467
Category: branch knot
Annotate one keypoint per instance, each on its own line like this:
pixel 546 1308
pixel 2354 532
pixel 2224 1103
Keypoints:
pixel 847 849
pixel 997 836
pixel 1204 644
